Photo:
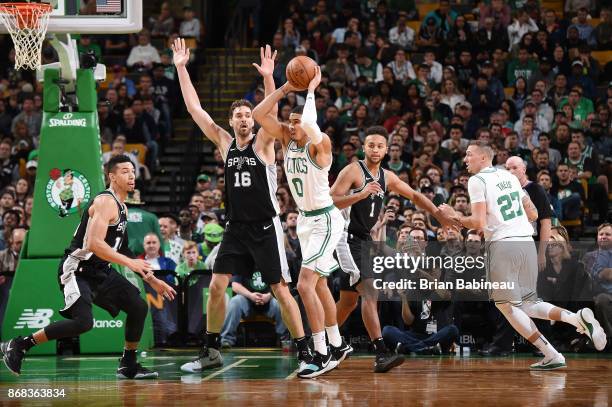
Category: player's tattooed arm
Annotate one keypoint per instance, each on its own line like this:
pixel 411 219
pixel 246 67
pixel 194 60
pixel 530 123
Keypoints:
pixel 530 209
pixel 215 133
pixel 349 178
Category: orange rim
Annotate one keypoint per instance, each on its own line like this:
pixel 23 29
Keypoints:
pixel 29 13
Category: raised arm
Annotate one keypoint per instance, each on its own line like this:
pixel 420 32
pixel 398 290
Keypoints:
pixel 394 184
pixel 348 178
pixel 265 116
pixel 214 132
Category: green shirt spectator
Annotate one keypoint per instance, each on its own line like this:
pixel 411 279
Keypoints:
pixel 140 222
pixel 523 66
pixel 85 46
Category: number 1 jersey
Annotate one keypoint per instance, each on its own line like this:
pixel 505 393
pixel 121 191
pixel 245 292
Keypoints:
pixel 250 185
pixel 503 195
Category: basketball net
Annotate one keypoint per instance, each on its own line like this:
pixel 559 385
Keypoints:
pixel 27 23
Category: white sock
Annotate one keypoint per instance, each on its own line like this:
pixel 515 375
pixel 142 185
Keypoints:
pixel 521 322
pixel 319 342
pixel 545 310
pixel 545 347
pixel 333 335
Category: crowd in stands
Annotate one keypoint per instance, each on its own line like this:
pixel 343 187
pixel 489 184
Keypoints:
pixel 520 76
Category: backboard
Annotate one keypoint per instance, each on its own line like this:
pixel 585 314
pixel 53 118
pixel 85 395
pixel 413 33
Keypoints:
pixel 93 16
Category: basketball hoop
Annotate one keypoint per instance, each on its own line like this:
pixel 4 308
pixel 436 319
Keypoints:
pixel 27 23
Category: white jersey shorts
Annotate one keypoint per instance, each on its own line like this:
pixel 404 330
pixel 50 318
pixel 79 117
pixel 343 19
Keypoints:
pixel 319 233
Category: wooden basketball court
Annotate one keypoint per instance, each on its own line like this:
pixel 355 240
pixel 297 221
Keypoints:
pixel 268 378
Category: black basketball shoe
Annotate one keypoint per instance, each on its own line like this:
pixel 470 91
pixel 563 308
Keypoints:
pixel 13 353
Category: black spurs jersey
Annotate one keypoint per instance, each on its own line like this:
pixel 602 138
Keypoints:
pixel 115 236
pixel 364 214
pixel 250 185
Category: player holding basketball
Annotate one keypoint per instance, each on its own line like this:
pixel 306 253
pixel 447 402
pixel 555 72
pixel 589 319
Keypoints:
pixel 360 191
pixel 308 157
pixel 253 237
pixel 86 277
pixel 502 209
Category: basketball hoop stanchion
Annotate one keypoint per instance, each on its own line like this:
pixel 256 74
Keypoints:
pixel 27 23
pixel 68 177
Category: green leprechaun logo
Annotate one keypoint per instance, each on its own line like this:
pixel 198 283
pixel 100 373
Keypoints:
pixel 67 191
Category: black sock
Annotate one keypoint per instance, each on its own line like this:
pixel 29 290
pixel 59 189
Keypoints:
pixel 28 342
pixel 301 344
pixel 379 346
pixel 129 356
pixel 213 340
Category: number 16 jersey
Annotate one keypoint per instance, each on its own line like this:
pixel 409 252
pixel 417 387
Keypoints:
pixel 503 194
pixel 250 185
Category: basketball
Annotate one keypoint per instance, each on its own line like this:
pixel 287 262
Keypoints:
pixel 300 72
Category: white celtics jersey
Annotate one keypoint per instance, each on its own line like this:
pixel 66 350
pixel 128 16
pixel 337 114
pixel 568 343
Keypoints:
pixel 308 182
pixel 503 194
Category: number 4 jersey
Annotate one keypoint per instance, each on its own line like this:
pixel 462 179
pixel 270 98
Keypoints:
pixel 503 195
pixel 250 185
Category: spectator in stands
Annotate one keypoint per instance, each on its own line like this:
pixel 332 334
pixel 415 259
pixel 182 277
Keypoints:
pixel 579 77
pixel 163 24
pixel 163 311
pixel 444 16
pixel 251 296
pixel 28 115
pixel 569 193
pixel 140 223
pixel 430 35
pixel 554 156
pixel 498 11
pixel 171 243
pixel 603 31
pixel 118 148
pixel 190 26
pixel 521 25
pixel 187 227
pixel 340 70
pixel 184 271
pixel 143 55
pixel 213 233
pixel 581 106
pixel 402 35
pixel 598 264
pixel 137 131
pixel 9 170
pixel 86 46
pixel 482 99
pixel 108 121
pixel 9 259
pixel 585 29
pixel 291 35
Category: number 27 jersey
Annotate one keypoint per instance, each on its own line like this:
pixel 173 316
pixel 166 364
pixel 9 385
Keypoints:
pixel 503 195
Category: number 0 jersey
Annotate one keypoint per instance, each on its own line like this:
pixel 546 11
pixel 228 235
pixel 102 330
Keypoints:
pixel 308 182
pixel 503 195
pixel 362 215
pixel 250 185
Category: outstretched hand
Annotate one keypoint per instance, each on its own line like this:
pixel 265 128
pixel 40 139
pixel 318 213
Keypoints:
pixel 267 61
pixel 181 52
pixel 314 83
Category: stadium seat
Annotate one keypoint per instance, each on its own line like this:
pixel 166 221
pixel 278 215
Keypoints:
pixel 139 150
pixel 415 25
pixel 556 6
pixel 508 92
pixel 603 57
pixel 424 9
pixel 594 21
